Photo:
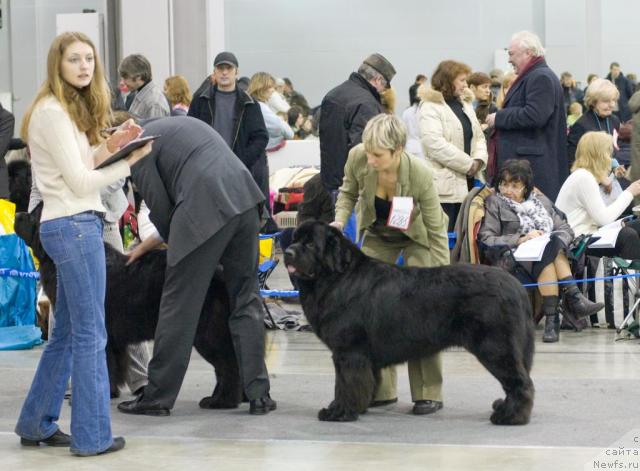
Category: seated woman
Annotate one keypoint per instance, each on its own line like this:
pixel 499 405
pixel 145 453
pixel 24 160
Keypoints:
pixel 580 198
pixel 518 213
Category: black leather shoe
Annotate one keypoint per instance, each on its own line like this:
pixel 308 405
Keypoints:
pixel 426 407
pixel 59 438
pixel 138 406
pixel 117 445
pixel 384 402
pixel 262 406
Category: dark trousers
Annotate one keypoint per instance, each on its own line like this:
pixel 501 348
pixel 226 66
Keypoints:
pixel 451 210
pixel 235 247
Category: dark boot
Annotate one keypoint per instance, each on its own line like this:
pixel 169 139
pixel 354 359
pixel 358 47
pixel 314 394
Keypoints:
pixel 551 319
pixel 577 303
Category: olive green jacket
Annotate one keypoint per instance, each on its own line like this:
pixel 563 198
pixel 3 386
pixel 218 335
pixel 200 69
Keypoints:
pixel 415 179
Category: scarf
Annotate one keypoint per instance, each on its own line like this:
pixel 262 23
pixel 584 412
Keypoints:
pixel 532 214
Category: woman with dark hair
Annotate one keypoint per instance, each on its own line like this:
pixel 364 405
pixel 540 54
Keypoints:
pixel 451 136
pixel 517 213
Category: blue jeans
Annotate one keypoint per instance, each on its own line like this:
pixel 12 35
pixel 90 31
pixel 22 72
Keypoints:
pixel 77 344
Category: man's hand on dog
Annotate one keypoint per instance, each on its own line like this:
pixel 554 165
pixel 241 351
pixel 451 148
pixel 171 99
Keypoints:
pixel 142 248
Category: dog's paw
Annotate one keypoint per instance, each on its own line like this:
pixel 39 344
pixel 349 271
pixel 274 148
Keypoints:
pixel 115 393
pixel 211 402
pixel 506 414
pixel 336 414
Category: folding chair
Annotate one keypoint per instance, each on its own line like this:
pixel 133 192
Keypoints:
pixel 267 262
pixel 622 267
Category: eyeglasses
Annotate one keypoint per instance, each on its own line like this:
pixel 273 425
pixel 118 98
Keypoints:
pixel 511 187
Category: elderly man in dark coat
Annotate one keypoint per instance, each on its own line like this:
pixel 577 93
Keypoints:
pixel 532 124
pixel 345 111
pixel 206 206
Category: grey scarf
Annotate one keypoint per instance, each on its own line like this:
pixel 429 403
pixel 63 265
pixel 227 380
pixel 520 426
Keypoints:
pixel 532 214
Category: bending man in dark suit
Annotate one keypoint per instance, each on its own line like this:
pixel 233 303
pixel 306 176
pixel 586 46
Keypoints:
pixel 206 206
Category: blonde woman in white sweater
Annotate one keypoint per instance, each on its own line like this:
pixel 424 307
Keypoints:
pixel 63 130
pixel 451 136
pixel 580 198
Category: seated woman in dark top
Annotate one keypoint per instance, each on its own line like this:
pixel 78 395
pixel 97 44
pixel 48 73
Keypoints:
pixel 518 213
pixel 600 101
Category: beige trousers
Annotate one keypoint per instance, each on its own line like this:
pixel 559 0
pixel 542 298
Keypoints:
pixel 425 375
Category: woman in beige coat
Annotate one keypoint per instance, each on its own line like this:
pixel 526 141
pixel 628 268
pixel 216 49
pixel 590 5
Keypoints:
pixel 379 175
pixel 451 136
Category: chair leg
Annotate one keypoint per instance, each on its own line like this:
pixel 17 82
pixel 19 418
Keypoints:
pixel 266 308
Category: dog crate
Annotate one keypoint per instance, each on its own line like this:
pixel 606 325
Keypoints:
pixel 286 219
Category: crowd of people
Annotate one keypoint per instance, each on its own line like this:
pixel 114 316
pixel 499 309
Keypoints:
pixel 561 161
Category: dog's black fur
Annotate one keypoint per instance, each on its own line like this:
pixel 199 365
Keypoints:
pixel 19 183
pixel 132 303
pixel 372 314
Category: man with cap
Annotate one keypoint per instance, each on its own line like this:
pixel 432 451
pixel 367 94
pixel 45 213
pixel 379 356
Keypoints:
pixel 236 116
pixel 345 111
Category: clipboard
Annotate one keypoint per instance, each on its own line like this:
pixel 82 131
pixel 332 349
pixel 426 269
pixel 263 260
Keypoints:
pixel 126 150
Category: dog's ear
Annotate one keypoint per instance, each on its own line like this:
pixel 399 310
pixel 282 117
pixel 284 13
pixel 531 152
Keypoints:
pixel 25 227
pixel 338 255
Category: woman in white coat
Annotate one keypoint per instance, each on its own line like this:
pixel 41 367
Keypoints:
pixel 451 136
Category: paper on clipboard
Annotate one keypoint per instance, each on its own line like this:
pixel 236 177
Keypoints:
pixel 126 150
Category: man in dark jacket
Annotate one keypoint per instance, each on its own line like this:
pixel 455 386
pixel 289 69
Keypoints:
pixel 206 206
pixel 532 124
pixel 626 89
pixel 345 111
pixel 7 122
pixel 236 116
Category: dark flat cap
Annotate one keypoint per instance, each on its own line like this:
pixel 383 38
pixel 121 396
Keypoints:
pixel 382 65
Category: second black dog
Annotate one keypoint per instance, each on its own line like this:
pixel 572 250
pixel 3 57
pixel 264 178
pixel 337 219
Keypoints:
pixel 132 303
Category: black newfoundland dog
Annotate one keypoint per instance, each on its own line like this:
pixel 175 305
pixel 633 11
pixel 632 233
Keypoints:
pixel 371 315
pixel 132 303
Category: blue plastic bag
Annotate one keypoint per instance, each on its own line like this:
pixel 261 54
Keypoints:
pixel 17 283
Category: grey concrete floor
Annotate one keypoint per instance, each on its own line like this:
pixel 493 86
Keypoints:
pixel 587 390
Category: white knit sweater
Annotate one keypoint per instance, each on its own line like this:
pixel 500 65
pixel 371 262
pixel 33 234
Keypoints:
pixel 63 163
pixel 580 200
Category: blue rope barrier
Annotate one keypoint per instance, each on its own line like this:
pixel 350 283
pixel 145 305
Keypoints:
pixel 278 293
pixel 18 273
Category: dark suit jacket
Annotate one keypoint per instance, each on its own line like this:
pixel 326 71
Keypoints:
pixel 533 126
pixel 192 183
pixel 7 122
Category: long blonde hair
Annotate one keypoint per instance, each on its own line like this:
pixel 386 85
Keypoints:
pixel 594 154
pixel 89 107
pixel 507 81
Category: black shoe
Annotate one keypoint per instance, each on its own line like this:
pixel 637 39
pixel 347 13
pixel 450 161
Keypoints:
pixel 578 304
pixel 139 392
pixel 384 402
pixel 59 438
pixel 138 406
pixel 551 329
pixel 262 406
pixel 117 445
pixel 426 407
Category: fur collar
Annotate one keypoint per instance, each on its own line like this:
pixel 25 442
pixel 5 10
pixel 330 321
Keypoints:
pixel 428 94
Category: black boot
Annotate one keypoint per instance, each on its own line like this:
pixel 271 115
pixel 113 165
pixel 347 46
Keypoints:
pixel 551 319
pixel 576 302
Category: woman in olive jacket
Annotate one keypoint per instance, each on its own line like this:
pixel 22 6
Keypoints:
pixel 377 172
